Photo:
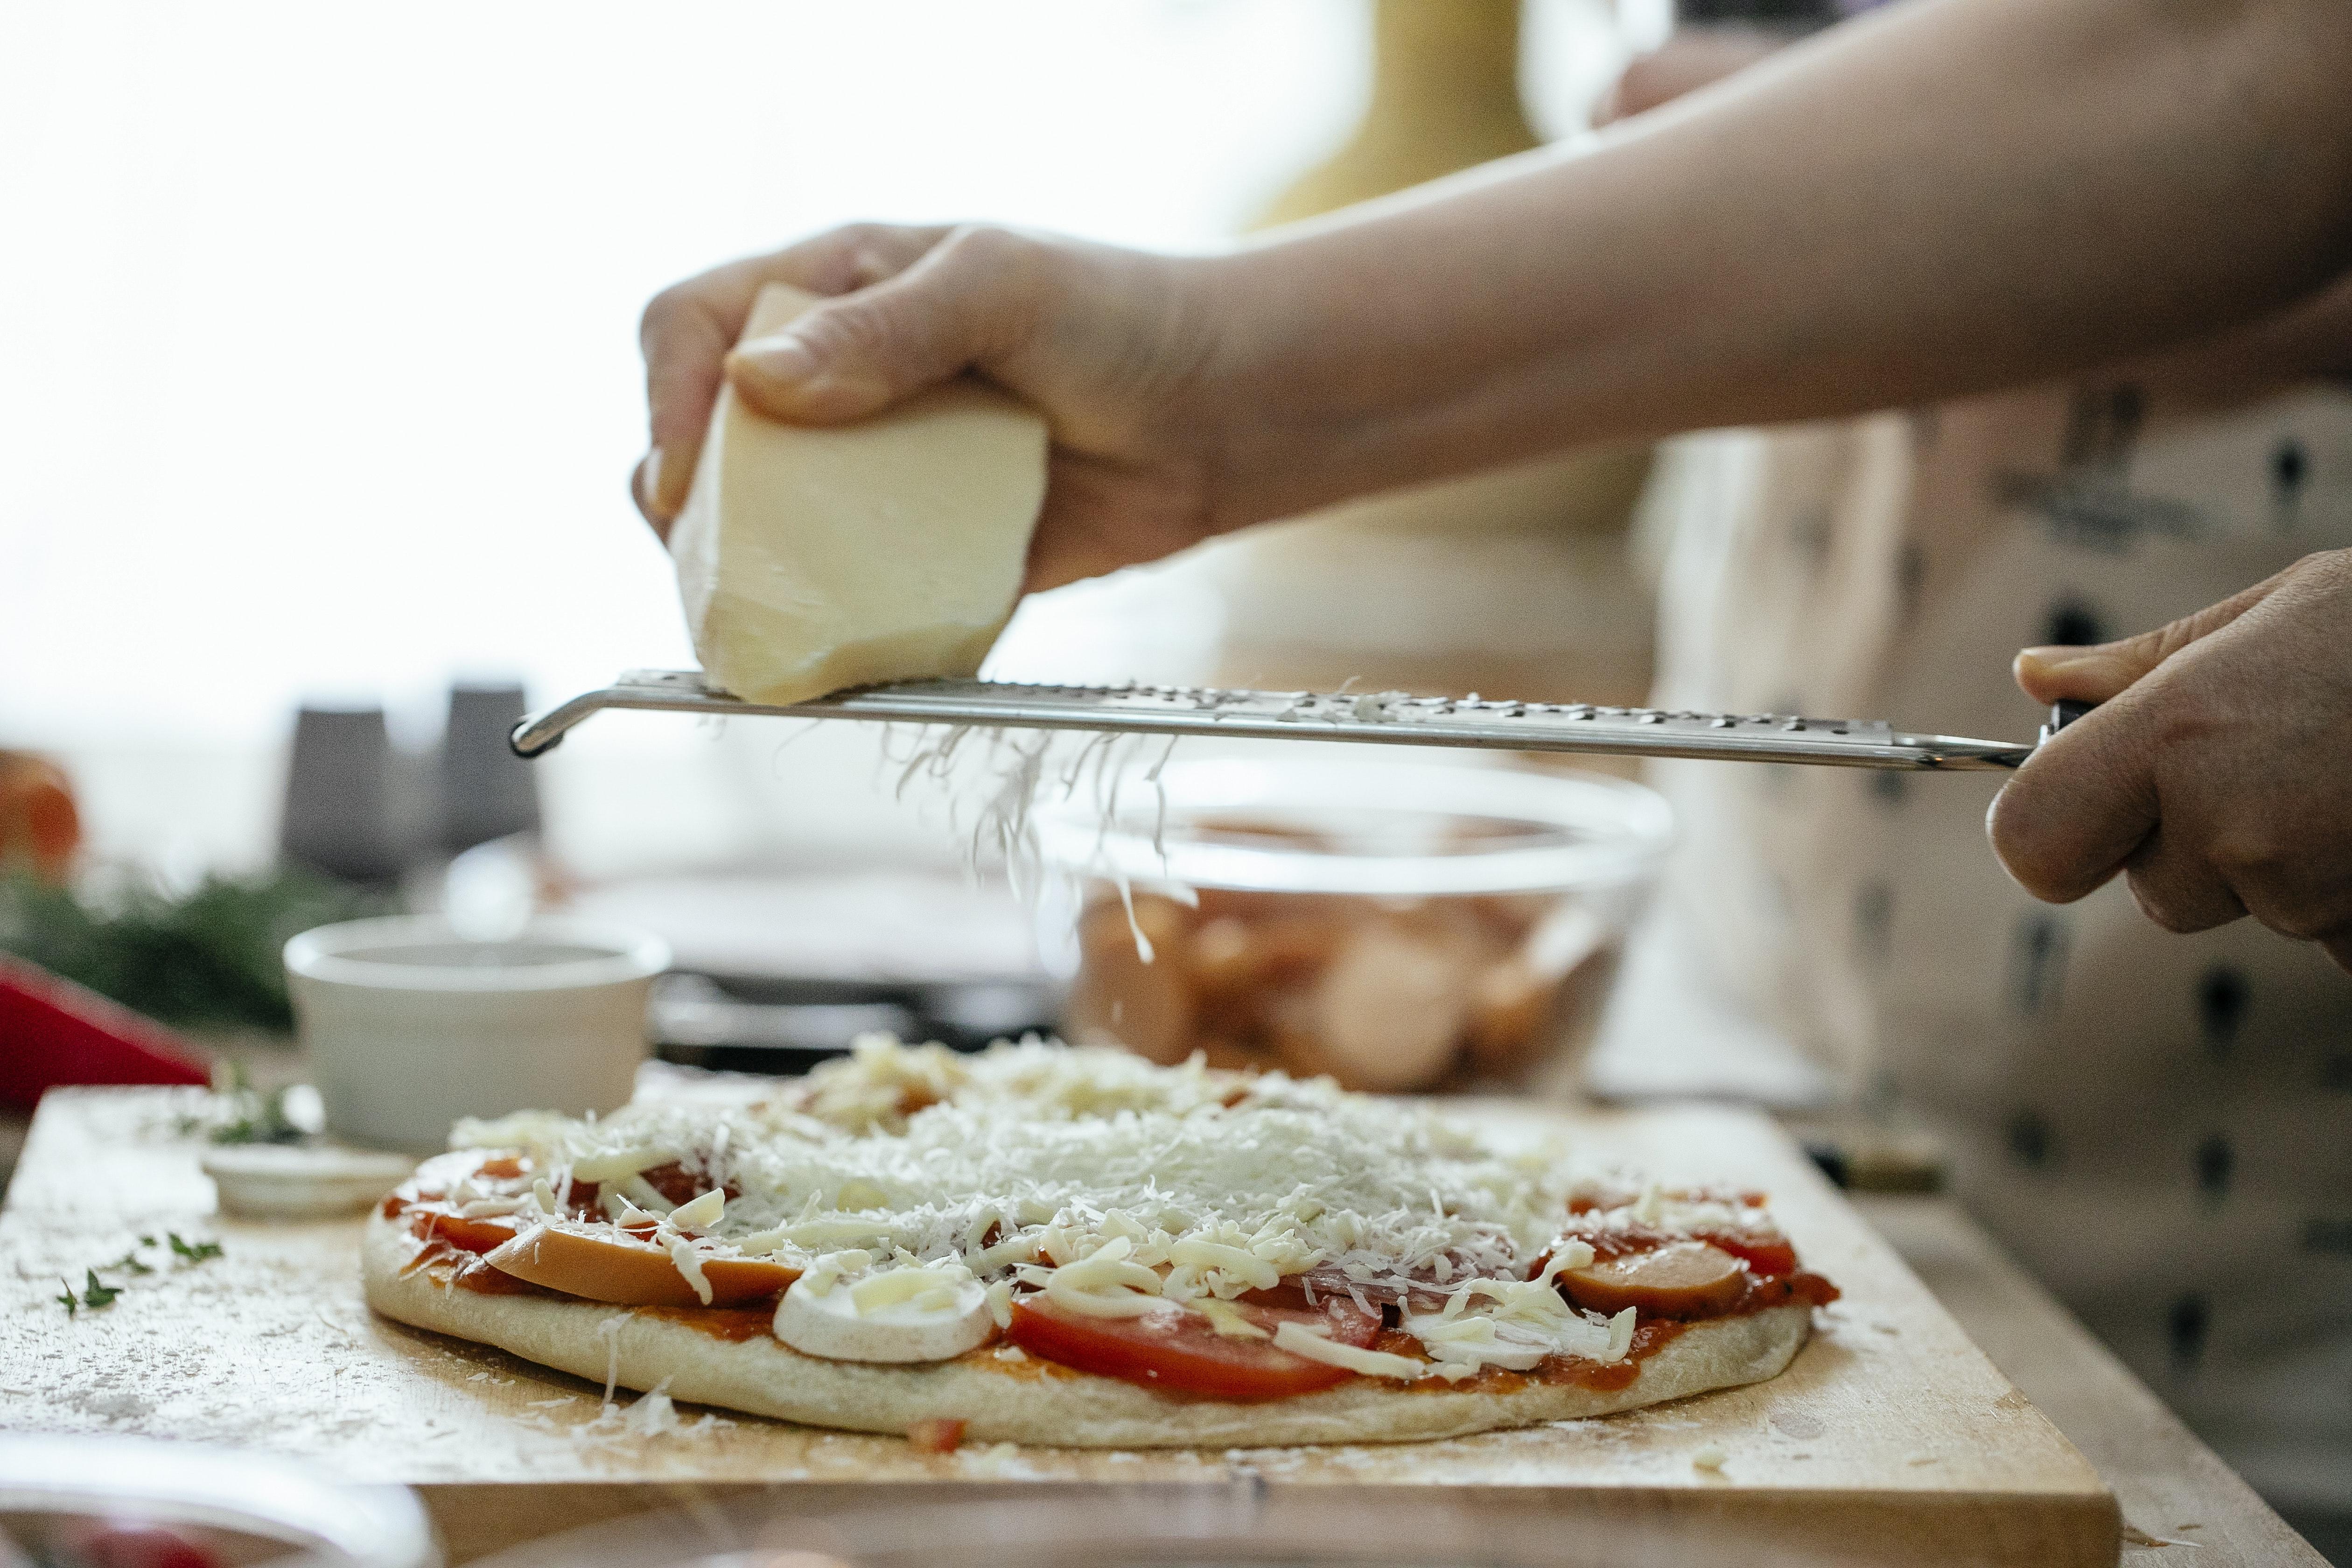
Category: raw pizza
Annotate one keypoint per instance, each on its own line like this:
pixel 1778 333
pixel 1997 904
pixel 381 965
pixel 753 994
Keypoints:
pixel 1055 1245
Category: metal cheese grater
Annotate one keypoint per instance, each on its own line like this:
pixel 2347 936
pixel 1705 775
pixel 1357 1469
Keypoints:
pixel 1384 718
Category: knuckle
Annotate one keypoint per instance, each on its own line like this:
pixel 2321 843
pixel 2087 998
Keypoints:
pixel 864 254
pixel 663 312
pixel 2166 640
pixel 2179 715
pixel 866 266
pixel 2248 853
pixel 2299 902
pixel 2321 571
pixel 985 252
pixel 974 243
pixel 2304 922
pixel 857 332
pixel 2160 905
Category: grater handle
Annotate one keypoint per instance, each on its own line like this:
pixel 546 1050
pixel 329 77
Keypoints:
pixel 2061 715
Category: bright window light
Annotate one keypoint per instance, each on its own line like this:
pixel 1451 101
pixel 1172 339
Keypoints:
pixel 317 357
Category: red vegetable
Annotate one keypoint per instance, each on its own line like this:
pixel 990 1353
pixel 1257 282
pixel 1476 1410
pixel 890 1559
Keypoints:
pixel 140 1546
pixel 1182 1352
pixel 936 1434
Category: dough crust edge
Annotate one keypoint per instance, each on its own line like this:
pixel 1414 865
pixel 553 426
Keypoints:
pixel 1034 1402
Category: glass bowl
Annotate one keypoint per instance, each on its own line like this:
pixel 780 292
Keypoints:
pixel 112 1501
pixel 1006 1521
pixel 1401 926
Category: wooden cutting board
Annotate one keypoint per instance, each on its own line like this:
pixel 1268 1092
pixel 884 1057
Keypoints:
pixel 1890 1439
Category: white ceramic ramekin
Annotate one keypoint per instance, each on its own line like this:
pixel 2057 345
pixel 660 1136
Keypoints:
pixel 410 1027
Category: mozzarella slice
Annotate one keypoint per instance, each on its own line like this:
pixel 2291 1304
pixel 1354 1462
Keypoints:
pixel 891 549
pixel 702 1213
pixel 1301 1341
pixel 900 1315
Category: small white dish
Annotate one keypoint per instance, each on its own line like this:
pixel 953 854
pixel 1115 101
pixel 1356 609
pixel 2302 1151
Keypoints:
pixel 409 1025
pixel 301 1180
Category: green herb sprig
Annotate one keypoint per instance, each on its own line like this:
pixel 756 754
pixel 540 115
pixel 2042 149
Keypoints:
pixel 96 1294
pixel 252 1115
pixel 192 1252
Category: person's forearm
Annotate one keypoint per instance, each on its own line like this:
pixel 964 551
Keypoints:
pixel 1960 195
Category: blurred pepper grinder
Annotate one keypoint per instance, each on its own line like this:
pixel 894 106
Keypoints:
pixel 361 810
pixel 1517 581
pixel 487 792
pixel 346 812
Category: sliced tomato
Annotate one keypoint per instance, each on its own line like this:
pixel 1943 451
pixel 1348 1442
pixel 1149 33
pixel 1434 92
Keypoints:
pixel 631 1273
pixel 129 1545
pixel 1600 1200
pixel 677 1184
pixel 1766 1253
pixel 674 1181
pixel 1290 1296
pixel 1181 1352
pixel 472 1273
pixel 486 1234
pixel 1307 1292
pixel 1810 1289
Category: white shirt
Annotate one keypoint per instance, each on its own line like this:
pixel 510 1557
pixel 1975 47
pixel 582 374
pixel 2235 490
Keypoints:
pixel 2159 1126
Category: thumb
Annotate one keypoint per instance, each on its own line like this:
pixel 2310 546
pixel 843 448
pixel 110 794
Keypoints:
pixel 2099 673
pixel 857 355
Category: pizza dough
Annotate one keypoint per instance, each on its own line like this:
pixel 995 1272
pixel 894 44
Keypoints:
pixel 1032 1400
pixel 812 558
pixel 1173 1256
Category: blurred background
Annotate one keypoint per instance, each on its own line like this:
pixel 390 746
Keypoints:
pixel 323 386
pixel 320 332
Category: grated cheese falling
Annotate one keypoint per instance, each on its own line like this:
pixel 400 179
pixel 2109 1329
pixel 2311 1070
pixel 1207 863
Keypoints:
pixel 1017 769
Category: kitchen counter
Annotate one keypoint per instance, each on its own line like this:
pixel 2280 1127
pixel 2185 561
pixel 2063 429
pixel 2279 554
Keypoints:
pixel 2179 1501
pixel 2175 1492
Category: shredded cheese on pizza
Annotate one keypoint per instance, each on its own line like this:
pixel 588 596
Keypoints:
pixel 1116 1188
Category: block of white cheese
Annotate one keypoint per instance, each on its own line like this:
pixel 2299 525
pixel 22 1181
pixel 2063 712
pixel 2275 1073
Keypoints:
pixel 811 559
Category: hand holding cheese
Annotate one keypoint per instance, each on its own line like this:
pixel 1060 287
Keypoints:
pixel 1583 294
pixel 887 550
pixel 1110 346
